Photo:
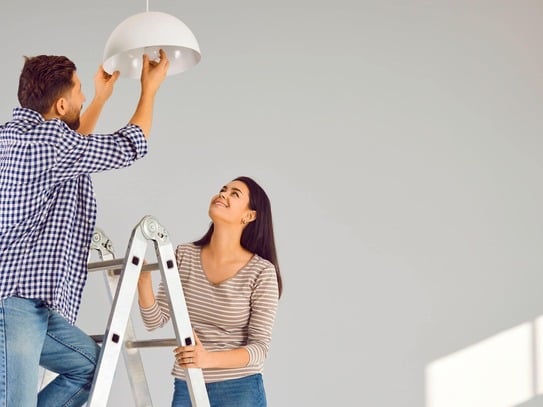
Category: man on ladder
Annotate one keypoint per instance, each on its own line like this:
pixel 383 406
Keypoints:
pixel 48 214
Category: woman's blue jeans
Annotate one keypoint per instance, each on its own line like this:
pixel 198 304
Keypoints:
pixel 245 392
pixel 31 334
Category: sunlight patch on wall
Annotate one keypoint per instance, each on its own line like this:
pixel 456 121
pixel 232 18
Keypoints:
pixel 501 371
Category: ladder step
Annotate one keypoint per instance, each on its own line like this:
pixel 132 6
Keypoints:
pixel 148 343
pixel 117 265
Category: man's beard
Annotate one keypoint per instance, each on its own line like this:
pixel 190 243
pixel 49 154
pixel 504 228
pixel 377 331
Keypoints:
pixel 73 124
pixel 73 120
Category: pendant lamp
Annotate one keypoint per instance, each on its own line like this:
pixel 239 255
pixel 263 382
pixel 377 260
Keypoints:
pixel 147 33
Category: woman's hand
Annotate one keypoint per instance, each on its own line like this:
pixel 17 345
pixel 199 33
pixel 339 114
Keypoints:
pixel 193 355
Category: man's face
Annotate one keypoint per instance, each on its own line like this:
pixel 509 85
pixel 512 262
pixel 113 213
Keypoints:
pixel 75 99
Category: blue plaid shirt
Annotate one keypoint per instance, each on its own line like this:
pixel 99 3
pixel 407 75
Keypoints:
pixel 47 204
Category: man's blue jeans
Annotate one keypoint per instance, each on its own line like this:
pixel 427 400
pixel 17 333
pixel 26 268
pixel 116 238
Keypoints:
pixel 31 334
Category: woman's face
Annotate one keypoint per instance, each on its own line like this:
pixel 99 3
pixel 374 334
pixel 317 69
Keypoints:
pixel 231 204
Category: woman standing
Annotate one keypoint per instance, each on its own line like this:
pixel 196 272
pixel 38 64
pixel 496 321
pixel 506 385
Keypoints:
pixel 232 284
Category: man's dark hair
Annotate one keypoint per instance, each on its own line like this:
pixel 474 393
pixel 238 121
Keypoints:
pixel 43 80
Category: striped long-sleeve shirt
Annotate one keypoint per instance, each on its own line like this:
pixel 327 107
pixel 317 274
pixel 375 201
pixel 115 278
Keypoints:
pixel 238 312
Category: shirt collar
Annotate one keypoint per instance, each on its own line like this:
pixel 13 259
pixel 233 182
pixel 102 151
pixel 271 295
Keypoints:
pixel 29 115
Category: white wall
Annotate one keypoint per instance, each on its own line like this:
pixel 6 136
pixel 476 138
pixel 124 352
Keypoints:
pixel 400 143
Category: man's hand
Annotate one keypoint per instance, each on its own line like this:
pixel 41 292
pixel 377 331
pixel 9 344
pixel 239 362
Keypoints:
pixel 154 72
pixel 104 83
pixel 103 88
pixel 152 76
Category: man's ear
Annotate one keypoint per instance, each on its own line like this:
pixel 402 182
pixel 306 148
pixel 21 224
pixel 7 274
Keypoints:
pixel 61 106
pixel 57 109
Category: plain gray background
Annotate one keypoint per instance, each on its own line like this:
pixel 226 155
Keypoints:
pixel 400 144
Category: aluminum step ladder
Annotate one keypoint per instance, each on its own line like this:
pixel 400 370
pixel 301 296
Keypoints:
pixel 122 279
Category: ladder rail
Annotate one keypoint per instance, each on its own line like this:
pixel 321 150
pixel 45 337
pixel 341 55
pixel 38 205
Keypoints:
pixel 180 320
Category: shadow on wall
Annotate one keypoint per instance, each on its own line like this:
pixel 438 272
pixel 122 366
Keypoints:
pixel 505 370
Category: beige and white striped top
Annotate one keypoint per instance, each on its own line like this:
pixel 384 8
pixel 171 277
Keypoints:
pixel 238 312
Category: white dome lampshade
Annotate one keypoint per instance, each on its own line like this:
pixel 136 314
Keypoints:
pixel 146 33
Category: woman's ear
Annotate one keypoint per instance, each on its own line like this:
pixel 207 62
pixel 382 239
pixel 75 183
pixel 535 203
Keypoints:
pixel 251 216
pixel 248 217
